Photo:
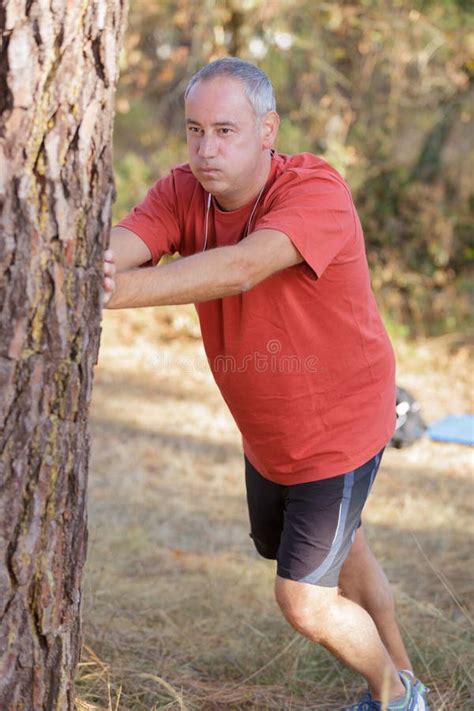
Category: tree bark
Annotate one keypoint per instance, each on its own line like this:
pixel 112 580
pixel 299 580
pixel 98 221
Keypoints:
pixel 57 81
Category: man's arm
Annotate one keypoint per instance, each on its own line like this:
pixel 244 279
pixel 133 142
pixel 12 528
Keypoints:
pixel 128 249
pixel 224 271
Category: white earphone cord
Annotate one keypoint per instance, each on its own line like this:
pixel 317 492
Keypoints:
pixel 208 209
pixel 206 224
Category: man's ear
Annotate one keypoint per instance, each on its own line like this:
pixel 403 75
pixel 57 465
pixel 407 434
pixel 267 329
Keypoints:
pixel 269 128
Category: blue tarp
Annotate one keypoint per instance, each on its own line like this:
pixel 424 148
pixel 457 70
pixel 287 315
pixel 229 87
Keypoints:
pixel 455 428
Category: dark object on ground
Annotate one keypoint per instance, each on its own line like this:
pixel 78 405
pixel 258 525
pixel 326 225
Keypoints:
pixel 410 425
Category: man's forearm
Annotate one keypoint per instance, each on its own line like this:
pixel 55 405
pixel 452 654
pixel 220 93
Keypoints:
pixel 201 277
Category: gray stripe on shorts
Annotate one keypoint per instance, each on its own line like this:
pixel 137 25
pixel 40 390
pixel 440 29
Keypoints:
pixel 374 470
pixel 321 570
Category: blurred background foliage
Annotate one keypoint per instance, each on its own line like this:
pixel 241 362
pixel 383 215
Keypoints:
pixel 382 89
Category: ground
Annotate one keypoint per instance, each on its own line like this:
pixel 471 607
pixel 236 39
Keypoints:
pixel 178 608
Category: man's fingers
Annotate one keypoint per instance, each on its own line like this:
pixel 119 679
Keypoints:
pixel 108 282
pixel 109 268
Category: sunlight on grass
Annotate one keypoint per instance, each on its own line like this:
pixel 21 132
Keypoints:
pixel 178 608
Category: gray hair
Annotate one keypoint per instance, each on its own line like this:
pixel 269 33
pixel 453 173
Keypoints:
pixel 257 86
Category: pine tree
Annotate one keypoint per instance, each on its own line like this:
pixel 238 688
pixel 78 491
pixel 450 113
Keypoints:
pixel 57 82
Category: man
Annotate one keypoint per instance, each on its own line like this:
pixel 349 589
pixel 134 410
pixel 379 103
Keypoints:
pixel 273 257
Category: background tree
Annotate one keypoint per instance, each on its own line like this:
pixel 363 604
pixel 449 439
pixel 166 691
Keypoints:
pixel 383 90
pixel 58 76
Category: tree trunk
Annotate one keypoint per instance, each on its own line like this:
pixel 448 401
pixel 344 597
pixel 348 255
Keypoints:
pixel 57 82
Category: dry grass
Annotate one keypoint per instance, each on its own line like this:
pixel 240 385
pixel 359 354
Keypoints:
pixel 178 608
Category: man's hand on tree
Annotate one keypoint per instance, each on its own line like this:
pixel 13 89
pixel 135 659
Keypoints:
pixel 108 283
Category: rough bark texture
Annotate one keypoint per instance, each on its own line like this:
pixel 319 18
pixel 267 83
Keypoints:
pixel 58 74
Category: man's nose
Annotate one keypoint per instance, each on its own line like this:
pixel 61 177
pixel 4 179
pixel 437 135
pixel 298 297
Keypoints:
pixel 207 147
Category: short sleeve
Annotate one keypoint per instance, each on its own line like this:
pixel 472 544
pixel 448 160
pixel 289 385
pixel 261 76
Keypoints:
pixel 155 219
pixel 314 209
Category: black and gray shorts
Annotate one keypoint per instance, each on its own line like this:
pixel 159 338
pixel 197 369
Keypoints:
pixel 308 528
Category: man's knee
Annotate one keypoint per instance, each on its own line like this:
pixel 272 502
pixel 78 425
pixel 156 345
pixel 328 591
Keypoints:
pixel 306 607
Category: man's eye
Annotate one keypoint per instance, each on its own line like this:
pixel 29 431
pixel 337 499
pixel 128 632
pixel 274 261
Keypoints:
pixel 225 131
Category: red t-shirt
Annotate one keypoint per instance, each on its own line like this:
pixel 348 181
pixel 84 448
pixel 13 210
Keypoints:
pixel 302 359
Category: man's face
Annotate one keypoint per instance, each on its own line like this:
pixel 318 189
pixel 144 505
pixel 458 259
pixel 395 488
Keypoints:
pixel 225 140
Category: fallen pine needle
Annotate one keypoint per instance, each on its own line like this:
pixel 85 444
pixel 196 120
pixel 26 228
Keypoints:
pixel 175 694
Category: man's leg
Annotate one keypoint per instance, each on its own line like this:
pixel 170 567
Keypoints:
pixel 344 629
pixel 309 528
pixel 363 581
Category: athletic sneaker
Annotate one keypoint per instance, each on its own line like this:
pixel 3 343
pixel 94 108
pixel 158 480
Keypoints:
pixel 364 704
pixel 419 686
pixel 414 699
